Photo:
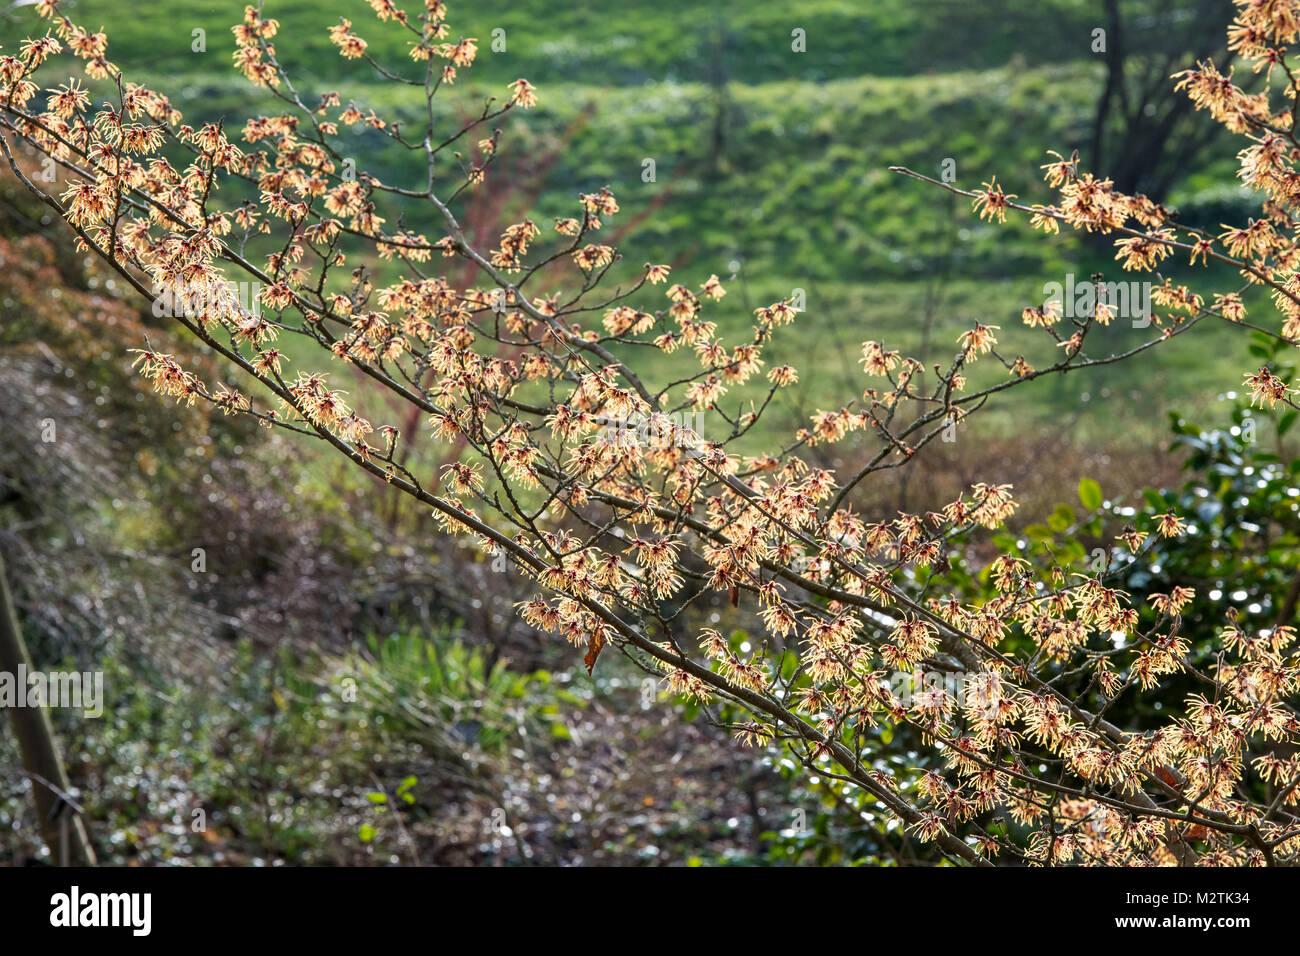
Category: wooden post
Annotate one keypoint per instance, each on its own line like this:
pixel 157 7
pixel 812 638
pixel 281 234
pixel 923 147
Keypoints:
pixel 62 828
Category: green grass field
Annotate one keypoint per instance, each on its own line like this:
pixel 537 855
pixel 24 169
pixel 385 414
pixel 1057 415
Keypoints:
pixel 632 42
pixel 794 191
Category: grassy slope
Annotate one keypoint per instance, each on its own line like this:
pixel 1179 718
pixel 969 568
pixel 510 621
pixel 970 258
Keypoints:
pixel 634 41
pixel 801 196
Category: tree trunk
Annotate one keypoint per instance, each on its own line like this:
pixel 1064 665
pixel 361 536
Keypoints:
pixel 61 825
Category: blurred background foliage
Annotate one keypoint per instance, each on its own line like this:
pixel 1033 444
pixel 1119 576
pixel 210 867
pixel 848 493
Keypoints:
pixel 340 685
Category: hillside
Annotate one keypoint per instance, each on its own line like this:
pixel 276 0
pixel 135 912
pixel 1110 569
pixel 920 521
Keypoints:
pixel 770 165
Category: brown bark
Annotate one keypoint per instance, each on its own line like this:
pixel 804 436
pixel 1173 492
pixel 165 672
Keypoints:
pixel 60 820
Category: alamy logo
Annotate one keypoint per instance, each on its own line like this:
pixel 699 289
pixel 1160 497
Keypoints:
pixel 657 430
pixel 1114 300
pixel 77 909
pixel 71 689
pixel 225 300
pixel 980 692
